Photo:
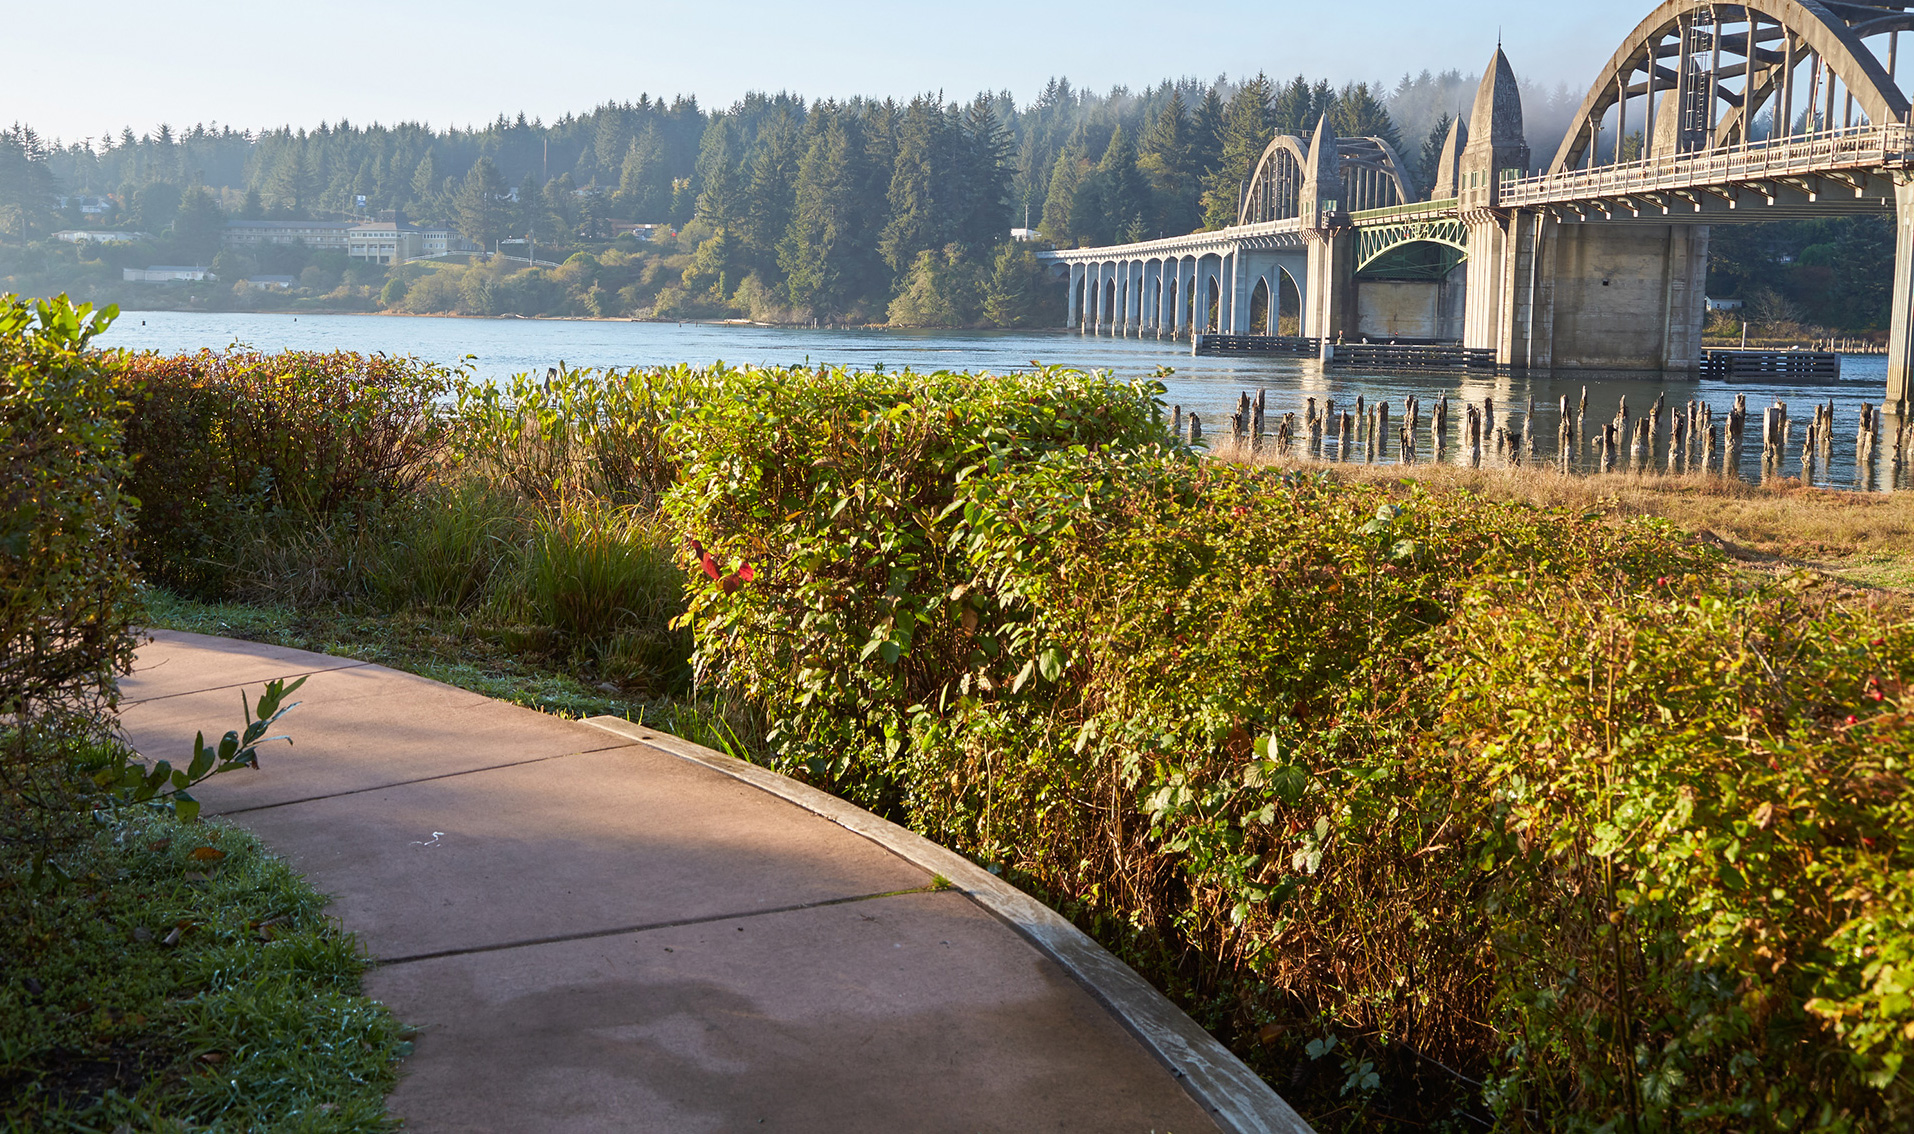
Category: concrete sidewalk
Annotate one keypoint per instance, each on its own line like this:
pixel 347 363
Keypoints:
pixel 604 930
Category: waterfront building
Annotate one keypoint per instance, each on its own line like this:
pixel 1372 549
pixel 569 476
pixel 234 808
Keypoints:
pixel 166 273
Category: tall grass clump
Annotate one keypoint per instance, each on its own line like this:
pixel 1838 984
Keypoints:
pixel 443 549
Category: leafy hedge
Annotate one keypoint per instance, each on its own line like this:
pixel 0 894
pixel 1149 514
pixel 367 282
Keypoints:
pixel 65 574
pixel 1430 806
pixel 847 487
pixel 217 437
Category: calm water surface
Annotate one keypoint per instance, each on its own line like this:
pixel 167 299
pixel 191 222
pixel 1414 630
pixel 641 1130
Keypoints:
pixel 499 348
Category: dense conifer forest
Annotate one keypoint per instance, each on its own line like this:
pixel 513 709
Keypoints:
pixel 778 209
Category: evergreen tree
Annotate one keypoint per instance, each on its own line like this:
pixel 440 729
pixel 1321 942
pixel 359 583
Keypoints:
pixel 644 179
pixel 481 214
pixel 198 226
pixel 768 195
pixel 425 179
pixel 1358 113
pixel 1166 160
pixel 1066 176
pixel 1293 109
pixel 289 186
pixel 917 223
pixel 611 140
pixel 1016 291
pixel 529 217
pixel 720 188
pixel 1125 195
pixel 1246 134
pixel 713 266
pixel 940 289
pixel 983 177
pixel 1206 133
pixel 829 258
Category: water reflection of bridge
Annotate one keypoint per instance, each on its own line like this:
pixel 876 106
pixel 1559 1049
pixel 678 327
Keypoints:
pixel 1707 114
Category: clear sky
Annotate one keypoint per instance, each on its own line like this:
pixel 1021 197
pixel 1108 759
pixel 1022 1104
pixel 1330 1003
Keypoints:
pixel 267 62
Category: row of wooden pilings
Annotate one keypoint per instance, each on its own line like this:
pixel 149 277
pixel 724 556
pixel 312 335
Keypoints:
pixel 1667 438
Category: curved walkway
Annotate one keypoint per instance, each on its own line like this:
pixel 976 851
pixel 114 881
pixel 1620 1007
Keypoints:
pixel 598 927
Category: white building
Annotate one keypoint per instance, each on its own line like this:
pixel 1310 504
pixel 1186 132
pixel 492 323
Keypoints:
pixel 99 236
pixel 395 242
pixel 163 273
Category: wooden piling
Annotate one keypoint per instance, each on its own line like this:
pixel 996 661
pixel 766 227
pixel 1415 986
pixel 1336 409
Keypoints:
pixel 1737 427
pixel 1382 431
pixel 1708 449
pixel 1343 429
pixel 1196 428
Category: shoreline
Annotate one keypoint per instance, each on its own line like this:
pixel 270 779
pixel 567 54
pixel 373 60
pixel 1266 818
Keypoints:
pixel 884 327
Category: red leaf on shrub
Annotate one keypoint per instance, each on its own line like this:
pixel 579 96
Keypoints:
pixel 746 574
pixel 704 560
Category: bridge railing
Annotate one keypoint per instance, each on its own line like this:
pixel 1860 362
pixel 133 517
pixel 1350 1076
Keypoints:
pixel 1795 155
pixel 1414 210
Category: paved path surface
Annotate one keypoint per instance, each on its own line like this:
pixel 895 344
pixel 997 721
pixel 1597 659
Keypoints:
pixel 603 932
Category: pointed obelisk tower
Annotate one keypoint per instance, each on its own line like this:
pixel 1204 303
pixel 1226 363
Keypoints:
pixel 1448 180
pixel 1497 149
pixel 1322 199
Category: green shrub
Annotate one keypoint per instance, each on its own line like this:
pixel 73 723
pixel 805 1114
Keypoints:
pixel 216 436
pixel 66 578
pixel 577 432
pixel 841 490
pixel 1425 804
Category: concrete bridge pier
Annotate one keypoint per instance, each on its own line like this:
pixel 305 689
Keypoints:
pixel 1900 332
pixel 1329 296
pixel 1545 293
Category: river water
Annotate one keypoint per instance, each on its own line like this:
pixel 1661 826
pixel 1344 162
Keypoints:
pixel 1209 386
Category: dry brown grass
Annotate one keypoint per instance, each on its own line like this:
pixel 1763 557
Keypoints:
pixel 1864 539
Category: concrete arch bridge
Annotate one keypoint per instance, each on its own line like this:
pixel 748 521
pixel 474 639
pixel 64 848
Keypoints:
pixel 1706 114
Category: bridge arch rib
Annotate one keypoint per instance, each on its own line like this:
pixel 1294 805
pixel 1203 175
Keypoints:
pixel 1765 45
pixel 1373 176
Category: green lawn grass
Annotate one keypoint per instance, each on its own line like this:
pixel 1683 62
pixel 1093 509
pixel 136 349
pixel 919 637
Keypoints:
pixel 171 976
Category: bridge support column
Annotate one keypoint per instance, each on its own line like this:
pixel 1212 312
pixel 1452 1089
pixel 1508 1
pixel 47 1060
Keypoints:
pixel 1180 304
pixel 1240 290
pixel 1900 332
pixel 1329 295
pixel 1101 301
pixel 1587 296
pixel 1132 281
pixel 1071 318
